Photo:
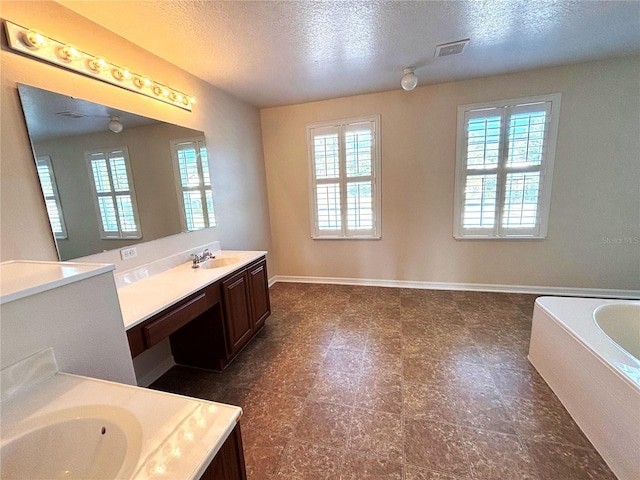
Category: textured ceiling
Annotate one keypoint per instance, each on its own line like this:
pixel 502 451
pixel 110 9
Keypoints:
pixel 277 53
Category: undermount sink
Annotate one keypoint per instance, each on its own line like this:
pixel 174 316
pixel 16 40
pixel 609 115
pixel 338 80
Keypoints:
pixel 220 262
pixel 88 442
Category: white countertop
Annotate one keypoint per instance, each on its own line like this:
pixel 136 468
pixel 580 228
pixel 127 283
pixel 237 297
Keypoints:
pixel 149 296
pixel 177 436
pixel 21 278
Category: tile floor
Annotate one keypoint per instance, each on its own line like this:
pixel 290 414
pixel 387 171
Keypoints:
pixel 365 382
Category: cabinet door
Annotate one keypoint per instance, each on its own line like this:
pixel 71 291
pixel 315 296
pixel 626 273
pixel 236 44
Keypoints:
pixel 237 319
pixel 259 289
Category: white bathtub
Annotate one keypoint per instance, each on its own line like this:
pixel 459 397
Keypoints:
pixel 620 321
pixel 587 351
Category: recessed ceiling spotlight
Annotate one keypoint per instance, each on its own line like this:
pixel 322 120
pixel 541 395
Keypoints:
pixel 452 48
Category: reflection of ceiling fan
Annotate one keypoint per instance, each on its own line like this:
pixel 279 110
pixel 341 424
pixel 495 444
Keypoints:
pixel 115 125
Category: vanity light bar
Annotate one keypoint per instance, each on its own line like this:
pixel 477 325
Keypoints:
pixel 42 47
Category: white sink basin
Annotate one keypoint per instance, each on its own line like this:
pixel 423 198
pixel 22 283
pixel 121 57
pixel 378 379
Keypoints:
pixel 221 262
pixel 88 442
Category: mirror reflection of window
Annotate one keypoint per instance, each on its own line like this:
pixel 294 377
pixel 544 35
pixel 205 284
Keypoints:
pixel 196 197
pixel 64 128
pixel 110 172
pixel 51 197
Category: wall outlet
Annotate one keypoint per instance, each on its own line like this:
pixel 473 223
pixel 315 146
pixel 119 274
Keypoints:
pixel 127 253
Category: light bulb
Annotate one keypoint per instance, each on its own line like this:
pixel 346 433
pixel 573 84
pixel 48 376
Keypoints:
pixel 68 53
pixel 122 73
pixel 192 100
pixel 97 64
pixel 34 39
pixel 409 79
pixel 165 92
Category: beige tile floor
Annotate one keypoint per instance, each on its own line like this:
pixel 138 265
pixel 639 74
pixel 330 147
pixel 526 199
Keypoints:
pixel 365 382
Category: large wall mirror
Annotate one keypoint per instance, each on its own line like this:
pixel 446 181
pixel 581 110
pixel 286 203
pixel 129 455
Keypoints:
pixel 111 179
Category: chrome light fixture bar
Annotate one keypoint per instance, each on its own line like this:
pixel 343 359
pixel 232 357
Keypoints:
pixel 36 44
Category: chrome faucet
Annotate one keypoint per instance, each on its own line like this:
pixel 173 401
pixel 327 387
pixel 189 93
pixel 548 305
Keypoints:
pixel 202 257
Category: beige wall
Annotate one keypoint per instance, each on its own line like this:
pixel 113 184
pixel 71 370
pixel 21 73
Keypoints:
pixel 85 330
pixel 232 131
pixel 595 199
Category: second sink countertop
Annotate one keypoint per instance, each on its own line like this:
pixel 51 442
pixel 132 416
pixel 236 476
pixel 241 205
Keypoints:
pixel 145 298
pixel 179 435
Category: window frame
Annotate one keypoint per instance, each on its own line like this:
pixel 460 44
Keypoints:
pixel 46 160
pixel 343 233
pixel 503 108
pixel 120 235
pixel 202 188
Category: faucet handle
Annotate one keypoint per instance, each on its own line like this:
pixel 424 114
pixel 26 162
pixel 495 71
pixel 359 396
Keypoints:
pixel 196 260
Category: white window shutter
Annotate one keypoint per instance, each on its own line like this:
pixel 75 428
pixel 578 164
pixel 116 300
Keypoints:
pixel 195 194
pixel 114 195
pixel 505 155
pixel 51 197
pixel 344 164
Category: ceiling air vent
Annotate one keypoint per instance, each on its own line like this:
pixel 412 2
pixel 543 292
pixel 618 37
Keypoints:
pixel 71 114
pixel 453 48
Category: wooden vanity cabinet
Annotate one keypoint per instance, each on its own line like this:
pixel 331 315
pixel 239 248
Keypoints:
pixel 210 327
pixel 246 306
pixel 228 464
pixel 178 317
pixel 136 341
pixel 174 319
pixel 237 312
pixel 259 293
pixel 199 343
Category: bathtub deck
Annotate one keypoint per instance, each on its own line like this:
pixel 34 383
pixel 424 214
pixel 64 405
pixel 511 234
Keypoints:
pixel 586 371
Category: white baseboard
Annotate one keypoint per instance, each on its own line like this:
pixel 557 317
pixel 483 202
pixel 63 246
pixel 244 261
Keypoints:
pixel 475 287
pixel 163 367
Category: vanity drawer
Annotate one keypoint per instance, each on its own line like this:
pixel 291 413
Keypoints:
pixel 161 328
pixel 136 341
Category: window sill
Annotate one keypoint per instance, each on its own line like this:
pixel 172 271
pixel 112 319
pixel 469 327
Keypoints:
pixel 378 237
pixel 121 238
pixel 481 237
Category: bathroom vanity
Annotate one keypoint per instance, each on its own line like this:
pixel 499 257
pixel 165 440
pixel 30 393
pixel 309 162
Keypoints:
pixel 107 430
pixel 104 427
pixel 208 314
